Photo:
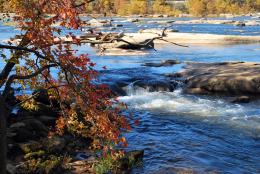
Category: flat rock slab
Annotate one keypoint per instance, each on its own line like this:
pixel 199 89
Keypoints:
pixel 232 78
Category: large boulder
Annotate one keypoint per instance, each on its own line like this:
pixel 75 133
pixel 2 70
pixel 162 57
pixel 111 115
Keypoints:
pixel 230 78
pixel 28 129
pixel 53 144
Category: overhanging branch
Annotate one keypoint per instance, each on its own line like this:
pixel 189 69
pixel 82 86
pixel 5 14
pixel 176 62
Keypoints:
pixel 19 48
pixel 17 77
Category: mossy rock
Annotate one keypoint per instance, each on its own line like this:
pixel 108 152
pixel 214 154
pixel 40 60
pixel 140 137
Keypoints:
pixel 38 163
pixel 51 145
pixel 131 159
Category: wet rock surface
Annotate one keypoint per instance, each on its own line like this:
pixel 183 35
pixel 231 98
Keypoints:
pixel 241 99
pixel 163 63
pixel 157 83
pixel 229 78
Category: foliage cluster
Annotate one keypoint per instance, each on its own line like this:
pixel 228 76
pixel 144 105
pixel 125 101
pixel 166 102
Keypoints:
pixel 42 60
pixel 128 7
pixel 210 7
pixel 194 7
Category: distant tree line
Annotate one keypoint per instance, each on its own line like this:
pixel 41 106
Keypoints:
pixel 194 7
pixel 127 7
pixel 211 7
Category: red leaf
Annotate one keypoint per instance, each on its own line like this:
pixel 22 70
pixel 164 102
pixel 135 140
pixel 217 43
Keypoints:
pixel 136 122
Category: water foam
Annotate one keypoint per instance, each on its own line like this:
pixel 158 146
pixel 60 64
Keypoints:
pixel 208 109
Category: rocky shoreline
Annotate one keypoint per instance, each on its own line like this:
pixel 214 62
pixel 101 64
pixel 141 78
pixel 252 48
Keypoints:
pixel 34 147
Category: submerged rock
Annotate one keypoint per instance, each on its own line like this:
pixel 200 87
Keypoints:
pixel 174 75
pixel 156 85
pixel 163 63
pixel 241 99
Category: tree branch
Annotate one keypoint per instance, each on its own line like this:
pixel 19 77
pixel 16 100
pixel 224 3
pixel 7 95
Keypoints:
pixel 15 77
pixel 9 66
pixel 20 48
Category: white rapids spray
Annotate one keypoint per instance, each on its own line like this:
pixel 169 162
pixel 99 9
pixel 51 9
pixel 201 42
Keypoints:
pixel 207 109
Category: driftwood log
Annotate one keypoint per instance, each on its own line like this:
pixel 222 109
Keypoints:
pixel 115 40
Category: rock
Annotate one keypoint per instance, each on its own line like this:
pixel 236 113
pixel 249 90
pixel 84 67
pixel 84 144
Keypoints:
pixel 252 23
pixel 229 78
pixel 174 75
pixel 82 166
pixel 47 120
pixel 37 126
pixel 173 30
pixel 99 23
pixel 84 155
pixel 13 151
pixel 137 155
pixel 130 160
pixel 241 99
pixel 196 91
pixel 156 85
pixel 239 24
pixel 23 134
pixel 163 22
pixel 256 17
pixel 17 125
pixel 133 20
pixel 30 146
pixel 10 134
pixel 11 169
pixel 117 90
pixel 163 63
pixel 158 16
pixel 119 25
pixel 28 129
pixel 55 144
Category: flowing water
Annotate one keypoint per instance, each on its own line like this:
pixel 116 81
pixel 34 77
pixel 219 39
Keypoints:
pixel 181 132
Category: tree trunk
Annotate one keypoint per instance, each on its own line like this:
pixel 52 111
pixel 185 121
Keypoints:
pixel 3 142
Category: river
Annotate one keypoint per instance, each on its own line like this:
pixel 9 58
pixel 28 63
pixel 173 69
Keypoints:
pixel 181 132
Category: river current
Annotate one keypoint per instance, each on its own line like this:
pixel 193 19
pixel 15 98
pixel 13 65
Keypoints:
pixel 181 132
